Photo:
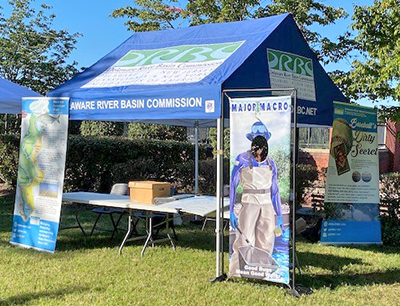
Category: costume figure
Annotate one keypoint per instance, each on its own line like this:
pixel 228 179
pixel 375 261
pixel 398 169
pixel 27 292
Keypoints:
pixel 257 174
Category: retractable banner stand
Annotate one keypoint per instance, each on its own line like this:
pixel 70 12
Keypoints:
pixel 40 180
pixel 352 190
pixel 260 188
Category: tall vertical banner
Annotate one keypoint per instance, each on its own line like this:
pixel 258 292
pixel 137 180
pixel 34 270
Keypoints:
pixel 352 187
pixel 41 168
pixel 260 188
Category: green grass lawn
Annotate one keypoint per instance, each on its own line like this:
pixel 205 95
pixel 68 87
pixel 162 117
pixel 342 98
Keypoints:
pixel 90 272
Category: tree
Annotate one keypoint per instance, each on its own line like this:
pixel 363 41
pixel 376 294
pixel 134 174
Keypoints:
pixel 150 15
pixel 376 75
pixel 101 128
pixel 33 54
pixel 156 131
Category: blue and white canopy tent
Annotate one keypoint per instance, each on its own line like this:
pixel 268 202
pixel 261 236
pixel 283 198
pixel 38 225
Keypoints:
pixel 178 77
pixel 11 95
pixel 167 76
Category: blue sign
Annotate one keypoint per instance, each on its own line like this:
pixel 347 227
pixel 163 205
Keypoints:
pixel 351 232
pixel 352 187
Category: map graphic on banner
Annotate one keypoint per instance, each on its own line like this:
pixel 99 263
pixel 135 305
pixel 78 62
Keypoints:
pixel 173 65
pixel 352 187
pixel 260 187
pixel 41 167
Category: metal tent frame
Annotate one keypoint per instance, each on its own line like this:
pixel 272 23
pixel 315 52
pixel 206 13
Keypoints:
pixel 220 274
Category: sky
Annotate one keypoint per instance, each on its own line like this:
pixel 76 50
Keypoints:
pixel 101 33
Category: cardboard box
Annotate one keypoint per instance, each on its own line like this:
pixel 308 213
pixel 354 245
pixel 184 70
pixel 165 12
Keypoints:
pixel 146 191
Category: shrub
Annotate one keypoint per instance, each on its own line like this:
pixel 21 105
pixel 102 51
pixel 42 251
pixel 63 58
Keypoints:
pixel 389 190
pixel 283 164
pixel 306 175
pixel 212 135
pixel 181 174
pixel 390 194
pixel 156 131
pixel 390 230
pixel 9 151
pixel 101 128
pixel 95 163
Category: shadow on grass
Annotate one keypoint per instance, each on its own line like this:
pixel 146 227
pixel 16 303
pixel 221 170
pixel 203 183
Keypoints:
pixel 334 280
pixel 327 261
pixel 73 239
pixel 22 299
pixel 374 248
pixel 339 276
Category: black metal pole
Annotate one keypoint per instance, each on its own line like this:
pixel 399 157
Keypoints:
pixel 221 216
pixel 295 149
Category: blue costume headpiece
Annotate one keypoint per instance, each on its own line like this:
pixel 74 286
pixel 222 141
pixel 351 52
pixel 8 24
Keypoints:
pixel 258 129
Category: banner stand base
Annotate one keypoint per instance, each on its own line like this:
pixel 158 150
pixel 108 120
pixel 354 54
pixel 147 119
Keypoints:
pixel 221 278
pixel 299 290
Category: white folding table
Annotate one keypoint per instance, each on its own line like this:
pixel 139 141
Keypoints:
pixel 195 205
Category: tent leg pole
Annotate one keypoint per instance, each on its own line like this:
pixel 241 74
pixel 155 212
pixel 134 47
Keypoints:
pixel 219 275
pixel 196 158
pixel 221 193
pixel 295 290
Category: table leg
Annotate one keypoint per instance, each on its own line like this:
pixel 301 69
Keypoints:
pixel 149 221
pixel 172 241
pixel 149 231
pixel 77 219
pixel 78 207
pixel 167 228
pixel 128 231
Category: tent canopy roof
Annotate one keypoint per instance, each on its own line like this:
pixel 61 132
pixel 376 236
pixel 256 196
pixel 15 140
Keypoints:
pixel 11 95
pixel 177 76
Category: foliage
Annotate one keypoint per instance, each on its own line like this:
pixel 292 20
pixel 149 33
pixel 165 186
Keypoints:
pixel 390 231
pixel 180 174
pixel 33 54
pixel 96 163
pixel 10 123
pixel 314 137
pixel 156 131
pixel 153 15
pixel 149 15
pixel 305 176
pixel 376 76
pixel 9 154
pixel 375 73
pixel 390 195
pixel 283 165
pixel 389 190
pixel 74 127
pixel 133 130
pixel 101 128
pixel 308 13
pixel 212 135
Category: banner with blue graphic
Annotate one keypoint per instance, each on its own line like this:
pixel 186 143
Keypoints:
pixel 43 146
pixel 260 188
pixel 352 187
